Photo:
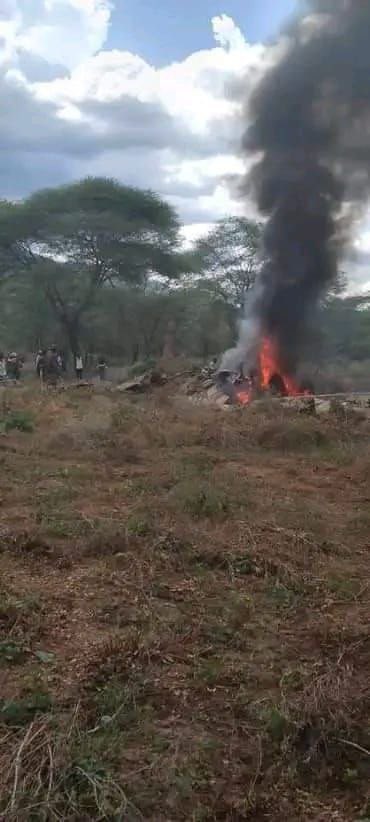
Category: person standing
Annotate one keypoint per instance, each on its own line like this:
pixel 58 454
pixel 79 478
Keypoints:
pixel 3 372
pixel 40 365
pixel 102 368
pixel 79 366
pixel 40 362
pixel 13 366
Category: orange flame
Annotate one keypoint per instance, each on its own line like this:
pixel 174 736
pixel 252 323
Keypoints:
pixel 270 366
pixel 268 362
pixel 243 397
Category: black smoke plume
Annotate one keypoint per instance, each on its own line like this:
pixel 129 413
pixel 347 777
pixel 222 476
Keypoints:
pixel 310 124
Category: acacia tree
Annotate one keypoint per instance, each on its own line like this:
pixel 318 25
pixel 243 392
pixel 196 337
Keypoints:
pixel 230 257
pixel 74 240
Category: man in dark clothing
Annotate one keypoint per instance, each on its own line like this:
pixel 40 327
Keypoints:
pixel 13 366
pixel 51 372
pixel 102 368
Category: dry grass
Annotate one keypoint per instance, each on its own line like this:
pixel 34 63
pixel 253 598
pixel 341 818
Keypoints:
pixel 183 612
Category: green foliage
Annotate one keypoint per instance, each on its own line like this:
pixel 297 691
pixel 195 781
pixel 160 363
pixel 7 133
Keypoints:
pixel 22 711
pixel 277 724
pixel 209 671
pixel 11 653
pixel 19 421
pixel 140 368
pixel 202 499
pixel 343 588
pixel 282 596
pixel 88 235
pixel 46 657
pixel 138 526
pixel 230 255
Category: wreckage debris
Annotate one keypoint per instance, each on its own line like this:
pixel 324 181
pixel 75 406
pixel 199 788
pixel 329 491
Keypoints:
pixel 144 382
pixel 227 390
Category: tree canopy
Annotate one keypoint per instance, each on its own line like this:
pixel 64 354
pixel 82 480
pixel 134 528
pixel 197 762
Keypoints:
pixel 73 240
pixel 230 256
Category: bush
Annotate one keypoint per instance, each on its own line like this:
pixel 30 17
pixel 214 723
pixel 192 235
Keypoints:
pixel 21 712
pixel 11 653
pixel 140 368
pixel 202 500
pixel 18 420
pixel 292 435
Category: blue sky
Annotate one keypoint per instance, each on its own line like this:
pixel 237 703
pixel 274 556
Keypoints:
pixel 165 30
pixel 151 92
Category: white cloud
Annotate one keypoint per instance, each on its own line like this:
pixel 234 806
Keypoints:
pixel 193 231
pixel 58 31
pixel 193 90
pixel 196 172
pixel 227 34
pixel 362 243
pixel 10 21
pixel 92 110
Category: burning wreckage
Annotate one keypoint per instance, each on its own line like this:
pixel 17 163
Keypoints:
pixel 309 130
pixel 267 378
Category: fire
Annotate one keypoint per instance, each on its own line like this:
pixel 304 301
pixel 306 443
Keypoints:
pixel 269 377
pixel 243 397
pixel 270 369
pixel 268 362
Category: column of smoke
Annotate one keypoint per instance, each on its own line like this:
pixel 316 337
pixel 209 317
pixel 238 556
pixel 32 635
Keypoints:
pixel 310 124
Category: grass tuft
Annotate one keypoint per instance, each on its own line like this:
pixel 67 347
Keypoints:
pixel 202 499
pixel 18 421
pixel 19 712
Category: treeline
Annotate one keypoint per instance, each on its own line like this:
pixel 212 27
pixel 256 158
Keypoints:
pixel 100 267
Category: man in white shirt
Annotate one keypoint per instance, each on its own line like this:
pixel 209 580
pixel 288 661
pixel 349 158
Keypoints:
pixel 79 366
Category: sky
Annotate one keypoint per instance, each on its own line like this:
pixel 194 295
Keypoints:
pixel 151 92
pixel 171 29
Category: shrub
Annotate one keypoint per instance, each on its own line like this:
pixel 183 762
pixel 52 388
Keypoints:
pixel 18 420
pixel 202 500
pixel 21 712
pixel 140 368
pixel 138 526
pixel 292 435
pixel 11 652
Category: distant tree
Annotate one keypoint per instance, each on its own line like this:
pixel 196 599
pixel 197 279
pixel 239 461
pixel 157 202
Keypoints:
pixel 74 240
pixel 230 258
pixel 345 328
pixel 26 319
pixel 131 324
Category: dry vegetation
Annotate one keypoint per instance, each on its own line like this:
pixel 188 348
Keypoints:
pixel 184 602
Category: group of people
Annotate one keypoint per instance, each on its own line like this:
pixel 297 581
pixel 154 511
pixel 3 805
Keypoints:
pixel 50 366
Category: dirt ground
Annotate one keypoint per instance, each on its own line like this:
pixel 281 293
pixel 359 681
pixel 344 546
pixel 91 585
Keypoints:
pixel 184 611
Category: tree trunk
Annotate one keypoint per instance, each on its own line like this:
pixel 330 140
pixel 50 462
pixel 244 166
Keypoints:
pixel 72 331
pixel 135 353
pixel 169 347
pixel 71 324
